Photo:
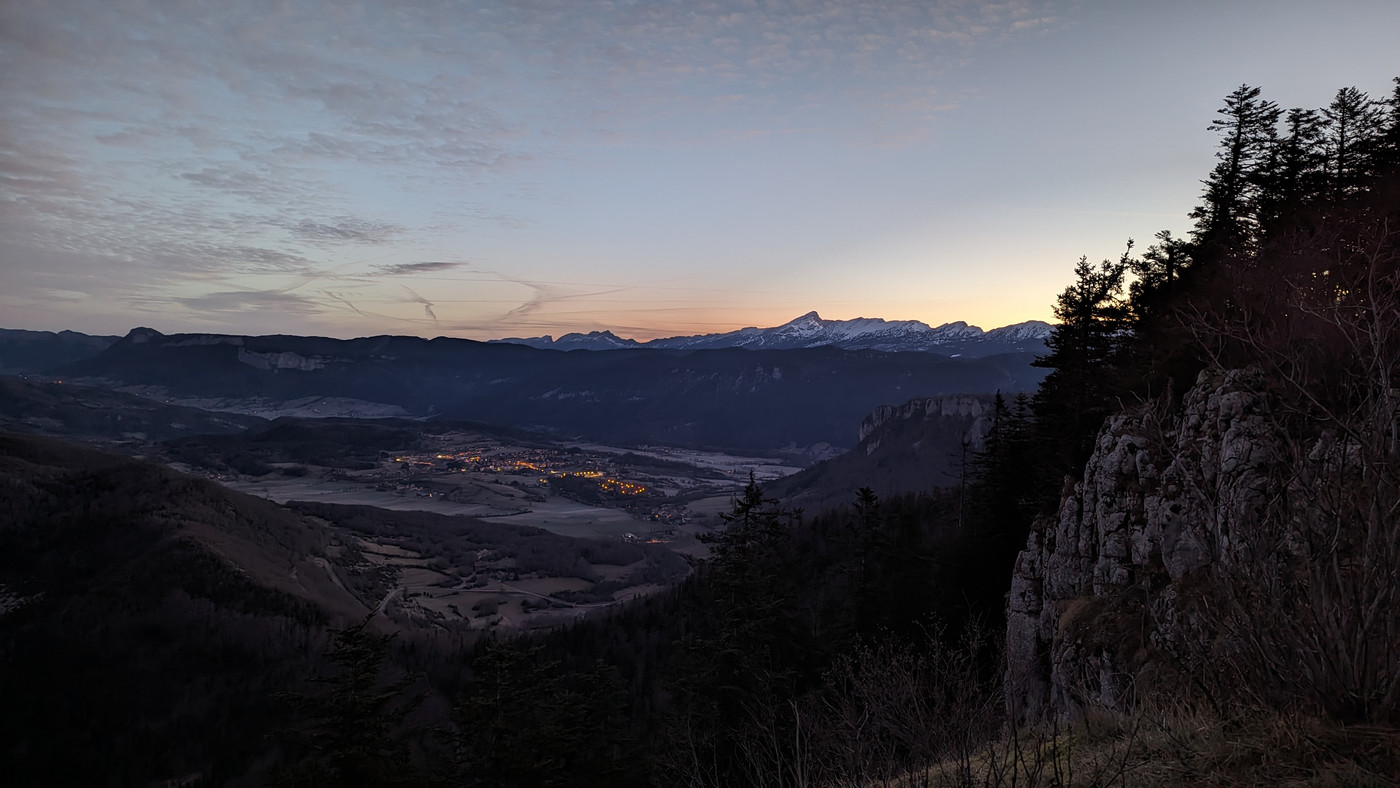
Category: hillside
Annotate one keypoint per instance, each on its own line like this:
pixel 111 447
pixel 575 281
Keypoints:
pixel 32 352
pixel 63 409
pixel 149 619
pixel 916 447
pixel 151 616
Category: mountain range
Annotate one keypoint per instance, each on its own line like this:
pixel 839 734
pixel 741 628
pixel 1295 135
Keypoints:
pixel 798 400
pixel 801 387
pixel 811 330
pixel 27 352
pixel 23 352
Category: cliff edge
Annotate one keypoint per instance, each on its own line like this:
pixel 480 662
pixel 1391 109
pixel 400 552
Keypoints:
pixel 1230 548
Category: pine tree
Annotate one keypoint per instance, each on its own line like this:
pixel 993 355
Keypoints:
pixel 1296 175
pixel 1351 134
pixel 755 640
pixel 739 665
pixel 1077 394
pixel 1248 126
pixel 1388 150
pixel 1156 272
pixel 352 733
pixel 1003 474
pixel 868 546
pixel 523 721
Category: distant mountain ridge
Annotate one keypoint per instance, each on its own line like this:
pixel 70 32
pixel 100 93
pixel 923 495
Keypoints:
pixel 747 398
pixel 811 330
pixel 23 352
pixel 30 352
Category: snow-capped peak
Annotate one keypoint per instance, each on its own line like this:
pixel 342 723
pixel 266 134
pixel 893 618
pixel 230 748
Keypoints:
pixel 811 330
pixel 1029 330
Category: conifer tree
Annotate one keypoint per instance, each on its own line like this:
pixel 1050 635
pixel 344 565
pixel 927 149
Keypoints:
pixel 870 544
pixel 1351 133
pixel 1076 396
pixel 352 732
pixel 1296 174
pixel 1156 272
pixel 740 663
pixel 754 634
pixel 523 721
pixel 1247 125
pixel 1002 502
pixel 1388 156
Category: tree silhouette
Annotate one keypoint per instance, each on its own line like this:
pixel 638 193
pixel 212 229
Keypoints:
pixel 1296 175
pixel 1247 125
pixel 523 721
pixel 1351 132
pixel 352 729
pixel 1076 396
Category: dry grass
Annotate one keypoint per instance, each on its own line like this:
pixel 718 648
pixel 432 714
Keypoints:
pixel 1174 746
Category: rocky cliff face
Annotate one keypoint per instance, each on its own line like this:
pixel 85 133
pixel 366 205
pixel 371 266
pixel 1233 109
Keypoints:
pixel 972 408
pixel 915 447
pixel 1107 596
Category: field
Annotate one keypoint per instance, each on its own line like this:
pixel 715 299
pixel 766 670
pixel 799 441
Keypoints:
pixel 573 489
pixel 444 522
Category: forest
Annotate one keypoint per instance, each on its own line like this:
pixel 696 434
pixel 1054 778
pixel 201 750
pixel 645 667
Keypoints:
pixel 865 645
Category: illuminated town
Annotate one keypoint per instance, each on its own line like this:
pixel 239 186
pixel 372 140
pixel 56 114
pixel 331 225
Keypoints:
pixel 655 491
pixel 549 462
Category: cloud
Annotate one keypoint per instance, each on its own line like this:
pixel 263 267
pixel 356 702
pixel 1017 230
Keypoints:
pixel 243 181
pixel 547 294
pixel 344 229
pixel 427 305
pixel 214 144
pixel 343 301
pixel 403 269
pixel 238 301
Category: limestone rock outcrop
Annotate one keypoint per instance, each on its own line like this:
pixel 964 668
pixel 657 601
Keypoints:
pixel 966 407
pixel 1102 596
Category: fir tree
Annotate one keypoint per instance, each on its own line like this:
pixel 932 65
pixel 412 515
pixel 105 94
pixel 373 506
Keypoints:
pixel 1247 125
pixel 523 721
pixel 1351 133
pixel 1297 172
pixel 1084 347
pixel 353 730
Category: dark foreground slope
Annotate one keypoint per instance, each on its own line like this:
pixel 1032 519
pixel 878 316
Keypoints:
pixel 149 617
pixel 155 625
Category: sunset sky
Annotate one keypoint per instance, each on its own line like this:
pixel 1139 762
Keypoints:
pixel 655 168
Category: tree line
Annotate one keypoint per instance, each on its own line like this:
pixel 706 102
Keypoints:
pixel 1291 192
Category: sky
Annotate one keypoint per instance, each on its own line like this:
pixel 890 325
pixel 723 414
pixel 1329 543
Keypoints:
pixel 484 169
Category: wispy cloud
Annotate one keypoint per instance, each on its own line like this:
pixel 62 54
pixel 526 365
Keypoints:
pixel 343 229
pixel 427 267
pixel 418 299
pixel 240 301
pixel 546 294
pixel 343 301
pixel 220 144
